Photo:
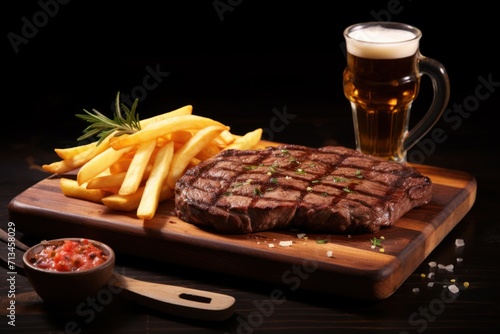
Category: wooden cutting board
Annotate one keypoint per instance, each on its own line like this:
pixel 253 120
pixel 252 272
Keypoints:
pixel 354 268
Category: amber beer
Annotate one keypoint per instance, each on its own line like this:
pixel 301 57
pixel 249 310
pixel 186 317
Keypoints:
pixel 381 81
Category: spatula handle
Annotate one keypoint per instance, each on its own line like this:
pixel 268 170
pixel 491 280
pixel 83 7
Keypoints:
pixel 176 300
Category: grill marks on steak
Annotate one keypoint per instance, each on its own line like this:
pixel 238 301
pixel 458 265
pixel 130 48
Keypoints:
pixel 331 190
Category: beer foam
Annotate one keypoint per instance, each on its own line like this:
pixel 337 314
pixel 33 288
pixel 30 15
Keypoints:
pixel 378 42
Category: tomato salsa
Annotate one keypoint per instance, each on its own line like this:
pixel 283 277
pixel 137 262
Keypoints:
pixel 69 255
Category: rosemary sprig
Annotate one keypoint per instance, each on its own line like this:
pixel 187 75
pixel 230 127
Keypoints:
pixel 102 126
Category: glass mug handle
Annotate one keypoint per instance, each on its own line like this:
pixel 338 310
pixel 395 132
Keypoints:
pixel 441 86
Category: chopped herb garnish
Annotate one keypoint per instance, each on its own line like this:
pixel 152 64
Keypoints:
pixel 274 180
pixel 252 167
pixel 315 181
pixel 257 192
pixel 358 174
pixel 339 179
pixel 299 171
pixel 284 151
pixel 376 242
pixel 321 241
pixel 347 190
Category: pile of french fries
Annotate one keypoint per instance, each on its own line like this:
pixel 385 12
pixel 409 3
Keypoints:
pixel 138 171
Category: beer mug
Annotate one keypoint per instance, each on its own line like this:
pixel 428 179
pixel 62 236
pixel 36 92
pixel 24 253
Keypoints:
pixel 382 79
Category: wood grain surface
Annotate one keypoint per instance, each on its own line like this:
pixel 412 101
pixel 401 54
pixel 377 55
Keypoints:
pixel 354 268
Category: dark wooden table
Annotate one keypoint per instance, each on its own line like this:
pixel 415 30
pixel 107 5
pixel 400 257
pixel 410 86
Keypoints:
pixel 475 308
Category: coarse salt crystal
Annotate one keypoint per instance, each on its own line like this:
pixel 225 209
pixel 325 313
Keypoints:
pixel 432 264
pixel 286 243
pixel 430 284
pixel 441 266
pixel 449 267
pixel 431 275
pixel 459 259
pixel 271 245
pixel 416 290
pixel 453 288
pixel 329 253
pixel 301 235
pixel 459 242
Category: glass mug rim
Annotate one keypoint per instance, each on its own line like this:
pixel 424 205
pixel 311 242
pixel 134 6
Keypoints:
pixel 390 25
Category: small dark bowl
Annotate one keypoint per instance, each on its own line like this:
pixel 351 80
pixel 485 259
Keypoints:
pixel 68 287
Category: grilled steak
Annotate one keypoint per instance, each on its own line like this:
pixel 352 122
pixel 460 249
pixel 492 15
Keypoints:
pixel 330 190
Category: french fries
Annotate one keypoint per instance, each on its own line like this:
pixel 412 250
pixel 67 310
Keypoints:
pixel 154 184
pixel 68 153
pixel 162 128
pixel 135 172
pixel 138 171
pixel 99 163
pixel 192 147
pixel 58 167
pixel 124 202
pixel 71 188
pixel 248 141
pixel 110 181
pixel 76 157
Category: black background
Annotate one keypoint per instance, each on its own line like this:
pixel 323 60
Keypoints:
pixel 236 64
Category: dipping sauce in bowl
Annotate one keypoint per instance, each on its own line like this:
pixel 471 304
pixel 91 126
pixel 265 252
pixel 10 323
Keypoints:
pixel 69 270
pixel 69 255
